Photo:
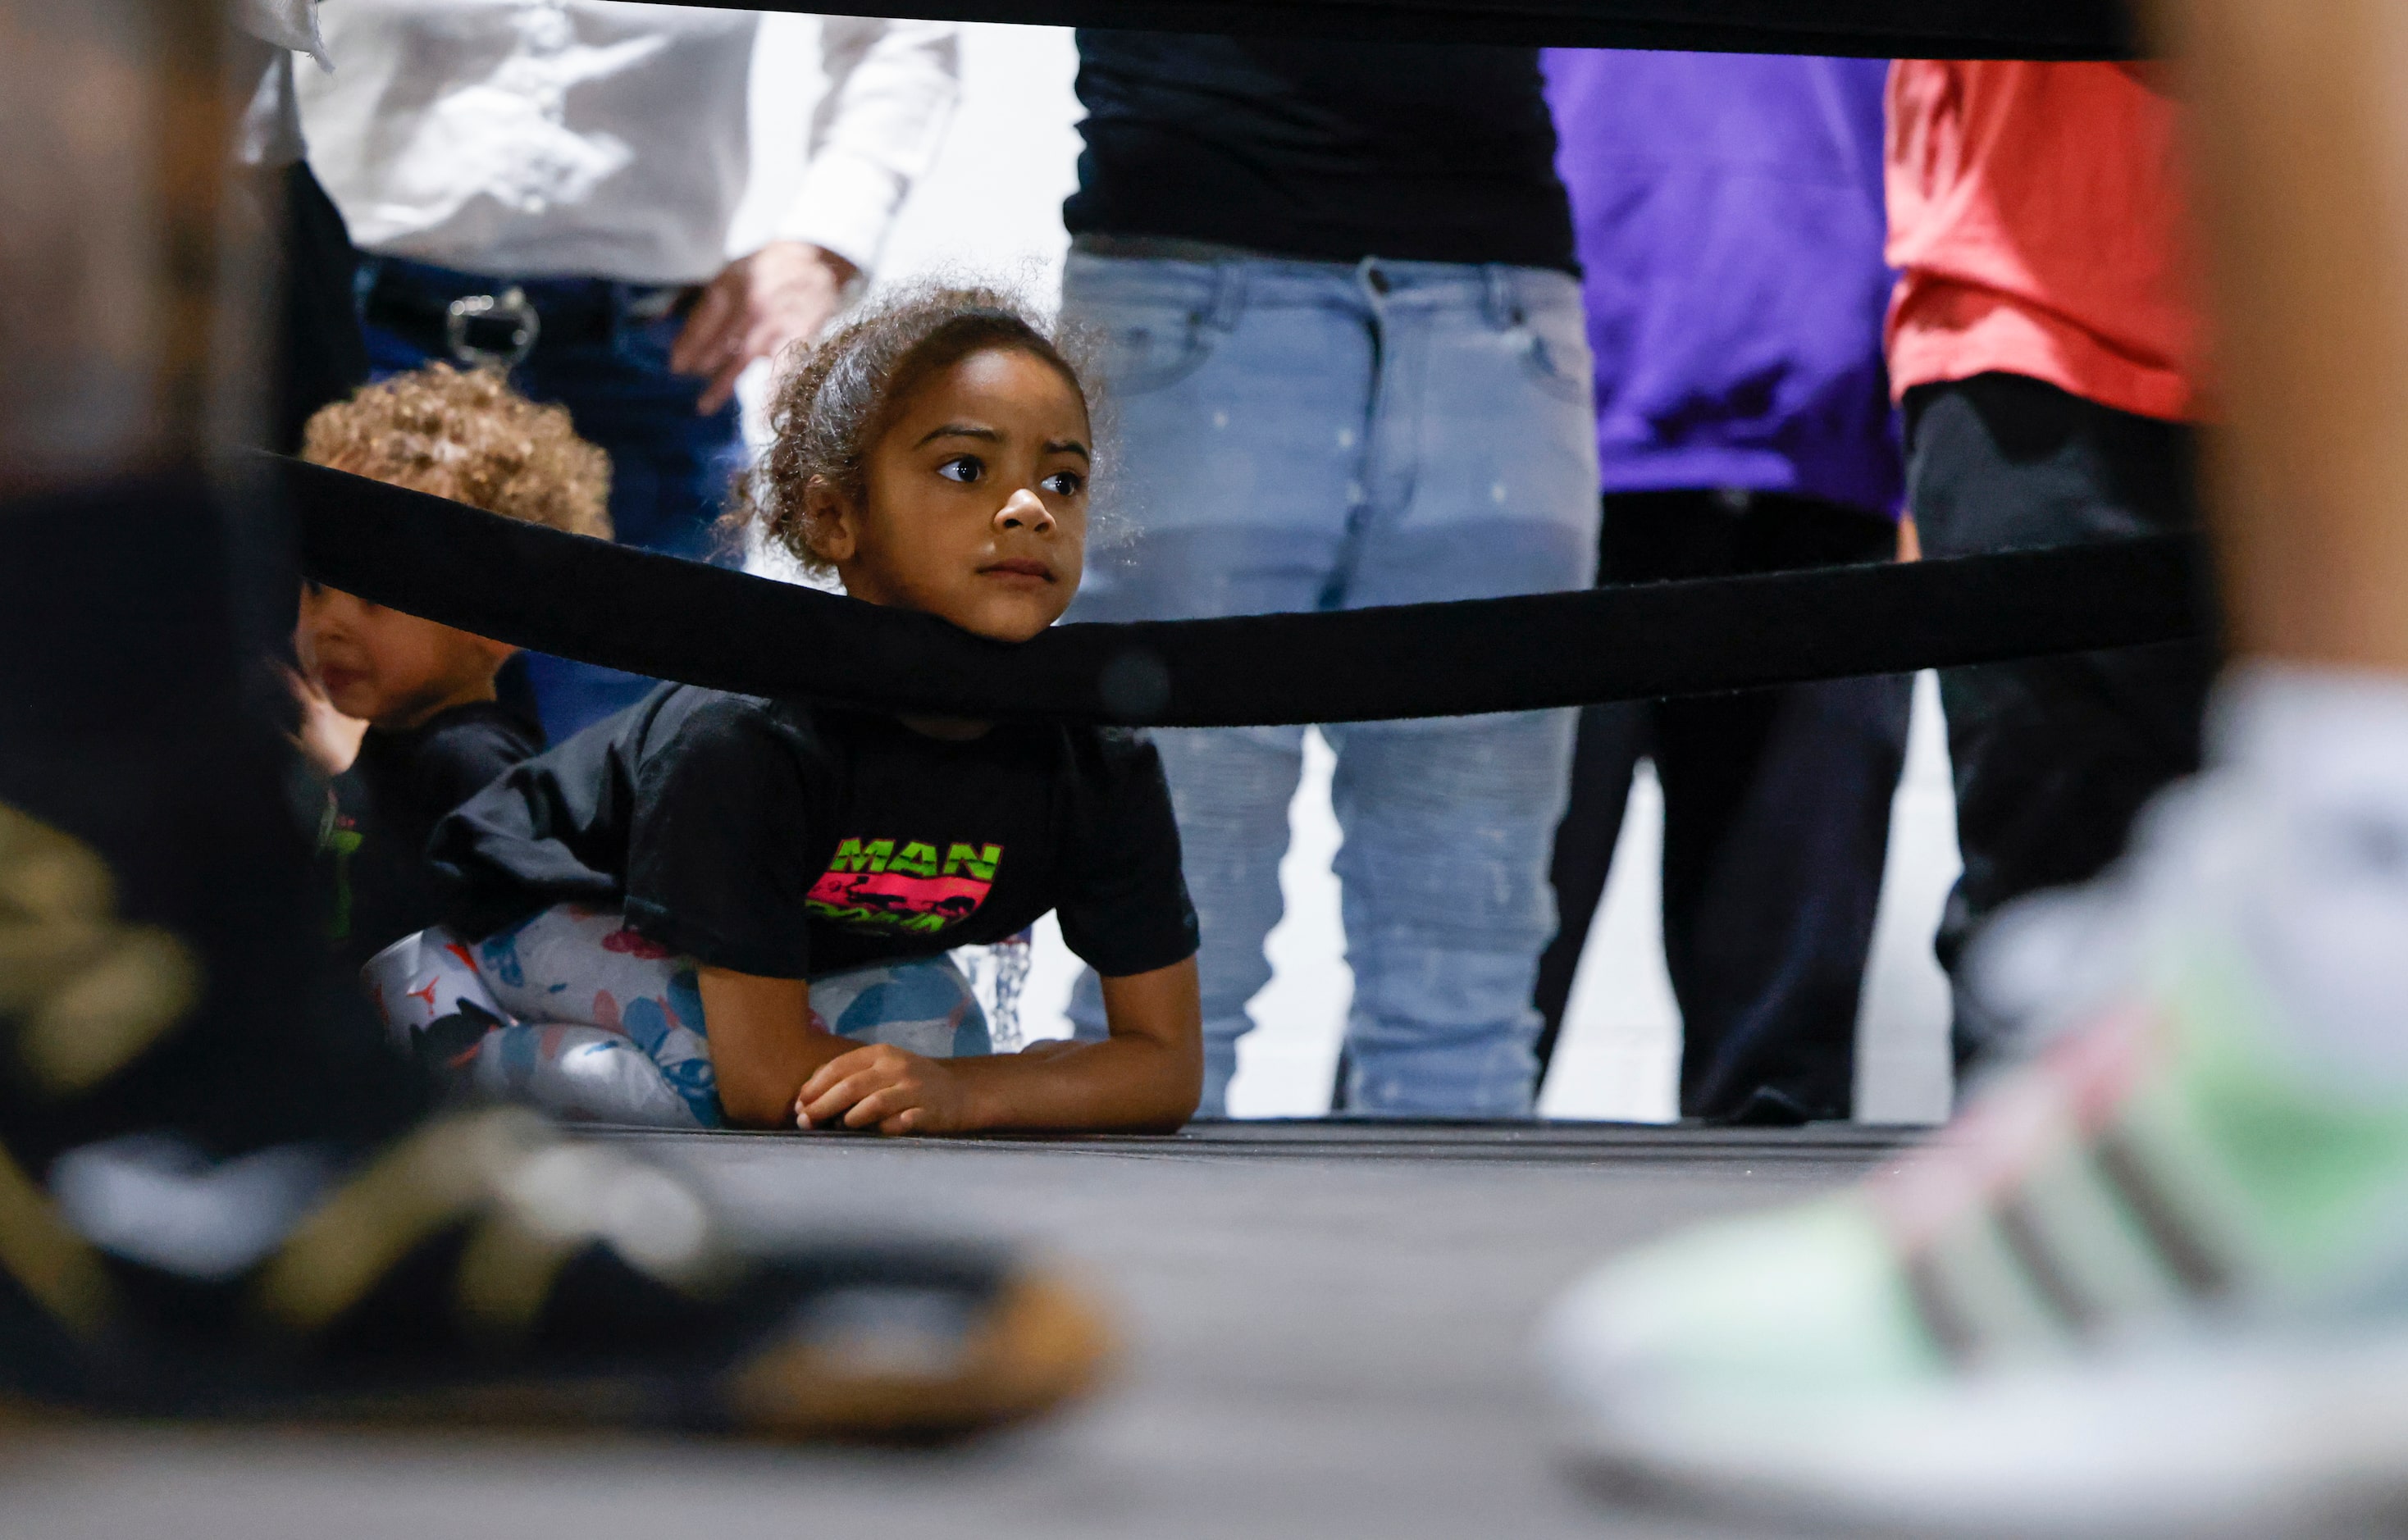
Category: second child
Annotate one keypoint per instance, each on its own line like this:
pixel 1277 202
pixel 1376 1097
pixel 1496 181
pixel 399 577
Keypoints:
pixel 401 713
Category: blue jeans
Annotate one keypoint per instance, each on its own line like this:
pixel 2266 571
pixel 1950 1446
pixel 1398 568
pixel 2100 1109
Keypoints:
pixel 670 468
pixel 1313 435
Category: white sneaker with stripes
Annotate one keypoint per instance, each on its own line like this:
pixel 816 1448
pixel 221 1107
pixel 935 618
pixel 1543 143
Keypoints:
pixel 2154 1281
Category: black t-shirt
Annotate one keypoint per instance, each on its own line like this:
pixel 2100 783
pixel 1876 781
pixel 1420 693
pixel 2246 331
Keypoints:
pixel 1327 150
pixel 794 841
pixel 385 807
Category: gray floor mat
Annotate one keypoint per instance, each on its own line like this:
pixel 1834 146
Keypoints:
pixel 1327 1325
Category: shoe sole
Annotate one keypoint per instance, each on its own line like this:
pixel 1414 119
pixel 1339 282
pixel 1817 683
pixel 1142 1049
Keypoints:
pixel 2196 1440
pixel 1041 1342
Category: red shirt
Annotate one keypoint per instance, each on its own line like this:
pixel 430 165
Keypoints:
pixel 2036 220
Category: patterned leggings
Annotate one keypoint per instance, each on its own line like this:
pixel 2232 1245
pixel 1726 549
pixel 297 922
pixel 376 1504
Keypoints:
pixel 602 1025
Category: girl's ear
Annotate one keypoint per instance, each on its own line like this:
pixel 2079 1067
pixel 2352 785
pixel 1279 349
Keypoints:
pixel 830 524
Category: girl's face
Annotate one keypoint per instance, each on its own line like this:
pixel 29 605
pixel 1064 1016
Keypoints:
pixel 977 500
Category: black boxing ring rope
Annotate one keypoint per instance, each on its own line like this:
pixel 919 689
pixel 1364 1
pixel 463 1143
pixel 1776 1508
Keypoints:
pixel 655 615
pixel 1871 29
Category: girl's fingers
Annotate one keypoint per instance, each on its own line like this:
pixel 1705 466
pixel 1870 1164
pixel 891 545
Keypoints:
pixel 881 1104
pixel 907 1121
pixel 848 1093
pixel 822 1105
pixel 831 1074
pixel 832 1103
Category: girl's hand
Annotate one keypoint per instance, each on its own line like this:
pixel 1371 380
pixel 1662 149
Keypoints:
pixel 889 1088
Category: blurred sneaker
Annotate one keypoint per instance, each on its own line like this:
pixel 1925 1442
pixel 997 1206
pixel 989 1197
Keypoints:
pixel 2154 1281
pixel 484 1271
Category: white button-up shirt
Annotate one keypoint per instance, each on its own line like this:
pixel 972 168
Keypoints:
pixel 579 137
pixel 270 133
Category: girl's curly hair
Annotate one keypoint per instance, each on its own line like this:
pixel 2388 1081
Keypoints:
pixel 466 435
pixel 831 405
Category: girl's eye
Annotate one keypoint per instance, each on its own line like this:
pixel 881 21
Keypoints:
pixel 964 468
pixel 1064 483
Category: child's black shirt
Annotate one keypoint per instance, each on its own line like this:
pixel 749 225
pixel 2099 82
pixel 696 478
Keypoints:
pixel 384 808
pixel 794 841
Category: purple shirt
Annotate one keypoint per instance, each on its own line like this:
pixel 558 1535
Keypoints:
pixel 1729 217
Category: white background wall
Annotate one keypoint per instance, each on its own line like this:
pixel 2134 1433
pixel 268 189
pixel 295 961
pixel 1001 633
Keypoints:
pixel 993 208
pixel 993 204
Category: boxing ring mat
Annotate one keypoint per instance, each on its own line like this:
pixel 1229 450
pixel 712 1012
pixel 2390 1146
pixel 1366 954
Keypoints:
pixel 1327 1332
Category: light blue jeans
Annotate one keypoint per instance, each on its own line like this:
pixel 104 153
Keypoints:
pixel 1312 436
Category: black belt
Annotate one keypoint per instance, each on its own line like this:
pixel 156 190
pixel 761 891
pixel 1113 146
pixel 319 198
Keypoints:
pixel 473 320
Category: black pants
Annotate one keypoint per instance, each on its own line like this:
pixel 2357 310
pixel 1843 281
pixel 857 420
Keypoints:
pixel 2052 755
pixel 1776 821
pixel 323 358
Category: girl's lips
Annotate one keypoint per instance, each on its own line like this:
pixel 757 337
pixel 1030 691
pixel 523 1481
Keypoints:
pixel 334 681
pixel 1018 567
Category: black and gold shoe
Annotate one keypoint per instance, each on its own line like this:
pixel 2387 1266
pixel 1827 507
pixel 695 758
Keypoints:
pixel 486 1270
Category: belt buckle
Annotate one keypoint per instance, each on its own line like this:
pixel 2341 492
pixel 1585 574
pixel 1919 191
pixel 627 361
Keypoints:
pixel 509 308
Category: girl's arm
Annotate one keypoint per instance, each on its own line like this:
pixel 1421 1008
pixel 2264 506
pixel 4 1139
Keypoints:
pixel 1144 1080
pixel 763 1046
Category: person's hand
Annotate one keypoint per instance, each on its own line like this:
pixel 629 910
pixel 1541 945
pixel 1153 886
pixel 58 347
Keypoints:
pixel 329 740
pixel 889 1088
pixel 784 292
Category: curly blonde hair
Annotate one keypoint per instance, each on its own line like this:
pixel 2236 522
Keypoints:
pixel 830 407
pixel 466 435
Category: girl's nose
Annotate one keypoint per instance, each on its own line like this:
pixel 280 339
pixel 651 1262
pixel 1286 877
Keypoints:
pixel 1024 510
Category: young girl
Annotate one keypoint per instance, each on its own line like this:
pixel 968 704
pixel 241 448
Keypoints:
pixel 759 894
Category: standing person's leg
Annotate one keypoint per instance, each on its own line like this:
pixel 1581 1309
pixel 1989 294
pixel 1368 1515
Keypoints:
pixel 1481 481
pixel 671 472
pixel 2052 755
pixel 1776 834
pixel 322 358
pixel 2155 1269
pixel 1230 789
pixel 1447 826
pixel 1238 393
pixel 1776 820
pixel 1607 747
